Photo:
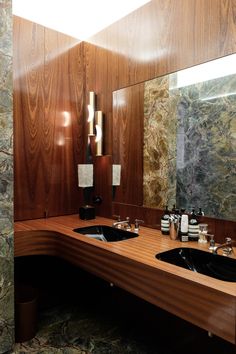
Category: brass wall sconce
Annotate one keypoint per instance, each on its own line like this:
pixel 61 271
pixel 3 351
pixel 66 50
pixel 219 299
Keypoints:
pixel 95 118
pixel 99 133
pixel 91 110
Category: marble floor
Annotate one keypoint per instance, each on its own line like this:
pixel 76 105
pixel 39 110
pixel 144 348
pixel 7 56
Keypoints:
pixel 91 317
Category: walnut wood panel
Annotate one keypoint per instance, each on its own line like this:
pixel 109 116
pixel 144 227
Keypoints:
pixel 63 124
pixel 159 38
pixel 48 121
pixel 103 181
pixel 28 71
pixel 131 265
pixel 128 128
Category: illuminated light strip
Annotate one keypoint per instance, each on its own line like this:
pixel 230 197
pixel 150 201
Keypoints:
pixel 218 96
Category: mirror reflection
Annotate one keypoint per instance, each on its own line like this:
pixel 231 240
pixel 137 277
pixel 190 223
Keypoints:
pixel 175 138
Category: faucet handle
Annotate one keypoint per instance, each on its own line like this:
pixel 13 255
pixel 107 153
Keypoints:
pixel 137 223
pixel 128 224
pixel 116 217
pixel 228 249
pixel 228 240
pixel 212 241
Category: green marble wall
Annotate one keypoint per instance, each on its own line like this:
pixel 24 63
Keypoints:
pixel 206 146
pixel 190 145
pixel 6 180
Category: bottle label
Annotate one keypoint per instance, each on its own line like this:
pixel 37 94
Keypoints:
pixel 165 226
pixel 193 222
pixel 165 217
pixel 184 238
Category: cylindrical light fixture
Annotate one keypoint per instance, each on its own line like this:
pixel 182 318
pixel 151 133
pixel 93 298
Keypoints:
pixel 91 109
pixel 99 132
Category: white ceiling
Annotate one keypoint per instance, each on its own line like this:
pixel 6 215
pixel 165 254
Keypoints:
pixel 80 19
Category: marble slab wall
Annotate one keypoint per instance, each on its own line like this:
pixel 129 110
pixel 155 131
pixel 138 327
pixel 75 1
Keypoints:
pixel 190 145
pixel 206 147
pixel 159 151
pixel 6 180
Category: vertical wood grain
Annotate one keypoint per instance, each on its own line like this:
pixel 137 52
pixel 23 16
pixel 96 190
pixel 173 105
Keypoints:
pixel 127 126
pixel 28 73
pixel 48 116
pixel 103 184
pixel 62 130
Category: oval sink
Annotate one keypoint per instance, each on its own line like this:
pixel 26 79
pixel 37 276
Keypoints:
pixel 105 233
pixel 213 265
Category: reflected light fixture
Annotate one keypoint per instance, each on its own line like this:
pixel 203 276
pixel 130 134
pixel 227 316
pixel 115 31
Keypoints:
pixel 99 133
pixel 205 72
pixel 91 109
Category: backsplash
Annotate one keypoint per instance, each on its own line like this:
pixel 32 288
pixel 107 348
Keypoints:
pixel 6 181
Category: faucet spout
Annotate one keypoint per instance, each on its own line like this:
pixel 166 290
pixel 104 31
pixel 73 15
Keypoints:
pixel 125 223
pixel 227 247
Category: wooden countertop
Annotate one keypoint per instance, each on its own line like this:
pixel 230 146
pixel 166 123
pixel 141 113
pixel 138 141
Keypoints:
pixel 131 264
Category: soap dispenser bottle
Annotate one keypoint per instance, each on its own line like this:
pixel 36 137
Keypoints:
pixel 165 222
pixel 184 226
pixel 193 227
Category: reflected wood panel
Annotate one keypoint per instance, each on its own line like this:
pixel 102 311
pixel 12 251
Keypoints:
pixel 127 143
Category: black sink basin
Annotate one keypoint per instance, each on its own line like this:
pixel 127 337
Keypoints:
pixel 213 265
pixel 105 233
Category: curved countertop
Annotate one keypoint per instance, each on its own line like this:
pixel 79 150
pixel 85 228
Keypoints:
pixel 131 264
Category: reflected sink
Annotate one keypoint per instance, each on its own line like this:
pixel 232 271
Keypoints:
pixel 213 265
pixel 105 233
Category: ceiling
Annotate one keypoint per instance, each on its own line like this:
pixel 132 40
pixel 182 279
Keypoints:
pixel 80 19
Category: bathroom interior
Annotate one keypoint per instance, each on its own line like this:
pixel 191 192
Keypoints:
pixel 171 142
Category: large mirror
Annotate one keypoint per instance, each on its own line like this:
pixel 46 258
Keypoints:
pixel 175 138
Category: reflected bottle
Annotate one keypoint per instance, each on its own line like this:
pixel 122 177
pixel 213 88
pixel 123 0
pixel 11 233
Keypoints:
pixel 165 222
pixel 200 212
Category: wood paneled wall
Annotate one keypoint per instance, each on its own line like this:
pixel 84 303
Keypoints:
pixel 48 126
pixel 49 73
pixel 159 38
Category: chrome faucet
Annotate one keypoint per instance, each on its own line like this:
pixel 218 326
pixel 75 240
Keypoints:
pixel 125 223
pixel 227 247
